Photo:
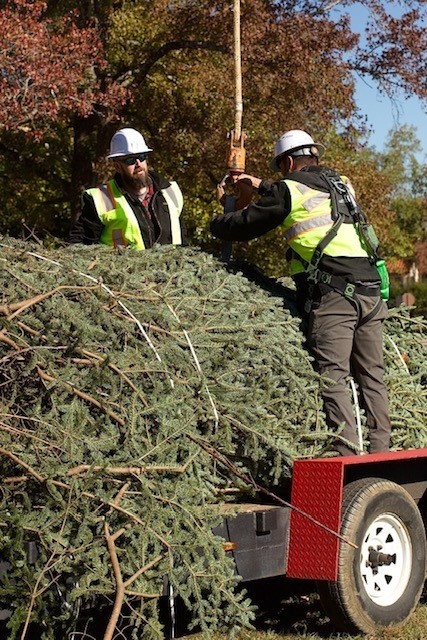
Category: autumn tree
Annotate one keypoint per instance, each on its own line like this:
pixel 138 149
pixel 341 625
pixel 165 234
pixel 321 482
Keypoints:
pixel 408 179
pixel 73 71
pixel 48 80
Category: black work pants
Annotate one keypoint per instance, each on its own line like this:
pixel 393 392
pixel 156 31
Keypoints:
pixel 343 345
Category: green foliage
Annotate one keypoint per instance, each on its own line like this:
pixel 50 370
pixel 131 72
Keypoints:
pixel 407 179
pixel 125 380
pixel 419 291
pixel 411 216
pixel 399 160
pixel 32 180
pixel 120 369
pixel 300 617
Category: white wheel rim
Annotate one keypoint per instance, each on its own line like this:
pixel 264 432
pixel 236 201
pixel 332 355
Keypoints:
pixel 385 583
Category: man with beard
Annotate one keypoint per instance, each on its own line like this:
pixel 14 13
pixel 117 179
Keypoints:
pixel 137 208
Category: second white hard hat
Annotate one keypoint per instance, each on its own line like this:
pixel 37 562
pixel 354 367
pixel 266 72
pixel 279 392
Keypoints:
pixel 127 141
pixel 296 143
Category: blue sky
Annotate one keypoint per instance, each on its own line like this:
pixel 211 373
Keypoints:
pixel 382 114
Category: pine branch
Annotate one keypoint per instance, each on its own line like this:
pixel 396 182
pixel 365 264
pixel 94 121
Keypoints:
pixel 108 391
pixel 81 394
pixel 225 462
pixel 125 471
pixel 13 309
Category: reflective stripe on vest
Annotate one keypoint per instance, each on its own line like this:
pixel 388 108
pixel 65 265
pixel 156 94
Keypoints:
pixel 175 201
pixel 103 198
pixel 309 221
pixel 310 201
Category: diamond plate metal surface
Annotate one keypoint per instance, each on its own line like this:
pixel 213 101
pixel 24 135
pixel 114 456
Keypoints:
pixel 317 492
pixel 317 488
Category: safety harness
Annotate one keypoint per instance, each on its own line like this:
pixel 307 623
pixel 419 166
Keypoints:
pixel 340 192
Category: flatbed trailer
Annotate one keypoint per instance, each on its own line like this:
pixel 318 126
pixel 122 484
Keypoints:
pixel 355 524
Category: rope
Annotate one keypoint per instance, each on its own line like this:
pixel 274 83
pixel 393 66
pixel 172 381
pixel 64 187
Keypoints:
pixel 405 366
pixel 357 410
pixel 238 71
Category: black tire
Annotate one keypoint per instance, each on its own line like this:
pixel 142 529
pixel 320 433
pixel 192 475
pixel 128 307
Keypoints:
pixel 379 583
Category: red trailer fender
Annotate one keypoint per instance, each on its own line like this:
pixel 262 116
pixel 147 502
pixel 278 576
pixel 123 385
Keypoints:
pixel 317 490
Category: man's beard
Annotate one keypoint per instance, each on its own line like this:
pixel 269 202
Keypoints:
pixel 135 183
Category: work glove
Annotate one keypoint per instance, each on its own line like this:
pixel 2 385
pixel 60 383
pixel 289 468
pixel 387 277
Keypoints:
pixel 240 186
pixel 244 193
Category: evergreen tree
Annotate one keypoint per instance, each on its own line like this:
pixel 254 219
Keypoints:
pixel 131 386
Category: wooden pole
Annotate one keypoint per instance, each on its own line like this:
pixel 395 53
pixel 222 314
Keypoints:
pixel 236 157
pixel 238 71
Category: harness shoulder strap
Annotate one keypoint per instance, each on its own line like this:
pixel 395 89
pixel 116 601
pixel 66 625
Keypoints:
pixel 366 230
pixel 338 219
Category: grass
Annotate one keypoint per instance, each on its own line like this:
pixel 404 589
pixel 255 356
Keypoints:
pixel 293 612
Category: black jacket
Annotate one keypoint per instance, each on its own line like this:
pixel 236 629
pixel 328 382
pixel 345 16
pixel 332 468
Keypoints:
pixel 155 224
pixel 270 211
pixel 258 217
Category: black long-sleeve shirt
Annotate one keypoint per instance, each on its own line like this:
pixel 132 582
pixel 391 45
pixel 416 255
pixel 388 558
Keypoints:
pixel 258 217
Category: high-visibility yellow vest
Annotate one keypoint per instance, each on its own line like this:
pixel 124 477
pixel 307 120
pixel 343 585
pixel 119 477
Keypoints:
pixel 309 221
pixel 121 228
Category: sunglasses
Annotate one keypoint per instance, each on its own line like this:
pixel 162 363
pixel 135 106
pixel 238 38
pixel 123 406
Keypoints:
pixel 132 159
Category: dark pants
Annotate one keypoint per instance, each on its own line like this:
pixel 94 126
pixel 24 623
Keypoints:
pixel 343 345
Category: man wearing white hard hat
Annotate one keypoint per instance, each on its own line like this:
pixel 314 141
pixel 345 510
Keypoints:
pixel 137 208
pixel 340 280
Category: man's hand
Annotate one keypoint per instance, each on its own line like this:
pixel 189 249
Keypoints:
pixel 246 179
pixel 244 193
pixel 243 187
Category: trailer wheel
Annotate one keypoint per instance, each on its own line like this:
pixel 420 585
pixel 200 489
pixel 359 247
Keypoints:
pixel 380 582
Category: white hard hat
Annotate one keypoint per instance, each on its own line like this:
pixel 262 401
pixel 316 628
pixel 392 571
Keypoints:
pixel 296 143
pixel 127 141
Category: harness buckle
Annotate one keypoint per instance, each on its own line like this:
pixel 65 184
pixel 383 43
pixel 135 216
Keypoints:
pixel 339 185
pixel 349 290
pixel 325 278
pixel 312 274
